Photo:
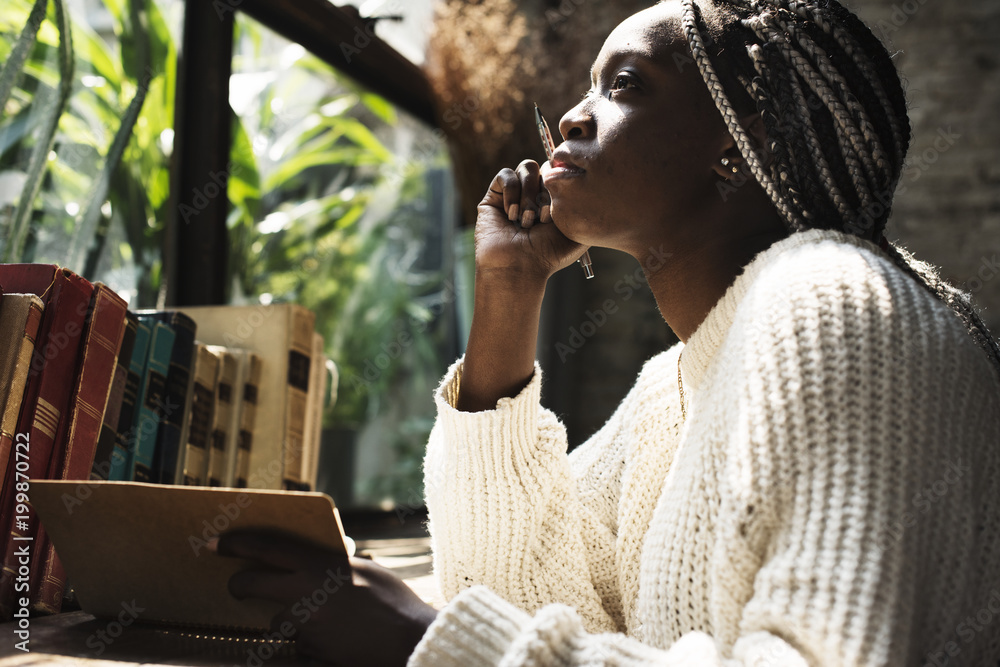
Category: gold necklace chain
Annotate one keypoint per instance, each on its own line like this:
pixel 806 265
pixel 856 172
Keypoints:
pixel 680 389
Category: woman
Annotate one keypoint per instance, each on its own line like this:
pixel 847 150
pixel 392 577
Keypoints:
pixel 810 477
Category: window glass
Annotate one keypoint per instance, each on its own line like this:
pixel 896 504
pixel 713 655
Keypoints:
pixel 343 203
pixel 93 140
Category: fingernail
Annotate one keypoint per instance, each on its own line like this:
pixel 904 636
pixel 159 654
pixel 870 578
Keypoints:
pixel 513 211
pixel 528 219
pixel 212 544
pixel 546 215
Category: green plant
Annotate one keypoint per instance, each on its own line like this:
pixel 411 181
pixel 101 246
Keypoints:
pixel 87 113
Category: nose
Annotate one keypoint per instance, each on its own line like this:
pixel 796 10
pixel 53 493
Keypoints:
pixel 577 123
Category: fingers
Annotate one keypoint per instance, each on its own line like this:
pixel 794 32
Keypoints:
pixel 287 587
pixel 530 178
pixel 505 193
pixel 263 584
pixel 279 550
pixel 520 194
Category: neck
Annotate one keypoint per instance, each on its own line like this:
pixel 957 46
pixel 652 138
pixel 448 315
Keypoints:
pixel 693 280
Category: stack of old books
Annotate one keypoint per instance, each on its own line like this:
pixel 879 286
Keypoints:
pixel 226 396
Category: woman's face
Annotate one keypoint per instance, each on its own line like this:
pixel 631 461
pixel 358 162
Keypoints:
pixel 639 149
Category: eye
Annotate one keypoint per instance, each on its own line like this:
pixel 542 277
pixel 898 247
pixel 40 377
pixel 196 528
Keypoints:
pixel 622 81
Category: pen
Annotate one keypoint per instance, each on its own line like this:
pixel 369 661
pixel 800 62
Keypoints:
pixel 550 147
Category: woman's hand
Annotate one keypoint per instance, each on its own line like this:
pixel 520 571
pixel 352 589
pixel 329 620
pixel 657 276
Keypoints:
pixel 343 610
pixel 517 250
pixel 514 231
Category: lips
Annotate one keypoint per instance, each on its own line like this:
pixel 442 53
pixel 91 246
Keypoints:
pixel 561 166
pixel 562 160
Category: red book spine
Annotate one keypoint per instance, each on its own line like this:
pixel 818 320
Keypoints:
pixel 98 355
pixel 66 298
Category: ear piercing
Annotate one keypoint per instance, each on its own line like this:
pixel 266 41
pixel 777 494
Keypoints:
pixel 726 163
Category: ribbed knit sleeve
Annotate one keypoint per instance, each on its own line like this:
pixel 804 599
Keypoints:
pixel 504 509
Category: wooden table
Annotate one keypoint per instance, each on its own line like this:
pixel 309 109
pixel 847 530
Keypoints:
pixel 78 638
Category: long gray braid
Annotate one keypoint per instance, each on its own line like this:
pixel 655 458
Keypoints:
pixel 835 115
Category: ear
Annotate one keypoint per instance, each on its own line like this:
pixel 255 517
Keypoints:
pixel 730 161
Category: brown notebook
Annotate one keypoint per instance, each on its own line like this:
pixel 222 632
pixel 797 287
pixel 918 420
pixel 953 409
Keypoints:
pixel 142 545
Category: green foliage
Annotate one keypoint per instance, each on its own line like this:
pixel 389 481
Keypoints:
pixel 118 107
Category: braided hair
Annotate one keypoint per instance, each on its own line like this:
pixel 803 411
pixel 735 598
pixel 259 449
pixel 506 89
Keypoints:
pixel 834 112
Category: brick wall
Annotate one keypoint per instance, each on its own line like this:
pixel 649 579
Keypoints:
pixel 947 211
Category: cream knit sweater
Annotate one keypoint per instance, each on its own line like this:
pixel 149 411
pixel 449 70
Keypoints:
pixel 833 497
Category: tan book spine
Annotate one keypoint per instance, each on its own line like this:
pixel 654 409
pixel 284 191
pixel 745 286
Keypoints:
pixel 248 419
pixel 299 353
pixel 19 321
pixel 201 421
pixel 225 395
pixel 314 401
pixel 268 331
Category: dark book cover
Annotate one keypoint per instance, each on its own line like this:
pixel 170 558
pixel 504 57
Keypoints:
pixel 168 438
pixel 151 401
pixel 73 457
pixel 112 412
pixel 47 396
pixel 121 455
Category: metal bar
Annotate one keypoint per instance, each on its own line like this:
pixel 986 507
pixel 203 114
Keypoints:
pixel 198 244
pixel 348 44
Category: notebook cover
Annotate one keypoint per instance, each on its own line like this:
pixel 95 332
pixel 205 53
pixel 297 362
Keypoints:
pixel 145 542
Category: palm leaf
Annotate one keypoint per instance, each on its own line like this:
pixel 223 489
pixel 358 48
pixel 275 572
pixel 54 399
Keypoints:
pixel 40 154
pixel 19 54
pixel 85 236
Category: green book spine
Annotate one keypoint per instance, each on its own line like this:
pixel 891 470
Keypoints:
pixel 151 400
pixel 121 457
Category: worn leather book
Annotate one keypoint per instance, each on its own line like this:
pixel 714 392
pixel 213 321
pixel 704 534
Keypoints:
pixel 47 393
pixel 73 457
pixel 112 412
pixel 20 315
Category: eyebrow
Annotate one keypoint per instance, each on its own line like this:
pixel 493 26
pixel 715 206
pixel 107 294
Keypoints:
pixel 618 56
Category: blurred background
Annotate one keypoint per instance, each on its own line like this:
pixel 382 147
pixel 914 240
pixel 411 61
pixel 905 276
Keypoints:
pixel 353 141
